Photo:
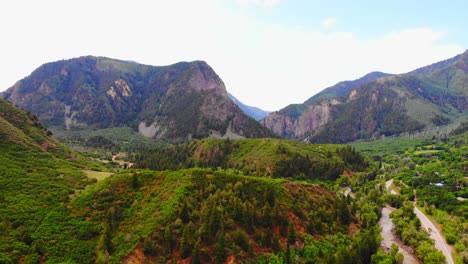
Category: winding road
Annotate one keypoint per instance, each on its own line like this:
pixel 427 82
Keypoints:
pixel 440 242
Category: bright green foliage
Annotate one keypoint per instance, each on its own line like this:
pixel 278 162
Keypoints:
pixel 263 157
pixel 408 228
pixel 224 210
pixel 37 177
pixel 436 169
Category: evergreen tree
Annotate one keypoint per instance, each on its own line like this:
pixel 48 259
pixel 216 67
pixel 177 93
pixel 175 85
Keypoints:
pixel 276 244
pixel 196 253
pixel 184 212
pixel 291 234
pixel 185 242
pixel 267 217
pixel 220 248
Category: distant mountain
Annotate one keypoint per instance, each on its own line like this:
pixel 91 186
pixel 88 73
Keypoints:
pixel 177 102
pixel 252 111
pixel 345 87
pixel 379 104
pixel 296 121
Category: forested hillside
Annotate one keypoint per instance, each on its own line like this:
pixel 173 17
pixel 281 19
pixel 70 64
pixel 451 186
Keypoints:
pixel 37 177
pixel 262 157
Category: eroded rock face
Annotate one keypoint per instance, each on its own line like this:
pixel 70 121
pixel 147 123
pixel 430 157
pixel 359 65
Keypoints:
pixel 151 131
pixel 122 88
pixel 281 124
pixel 310 120
pixel 314 117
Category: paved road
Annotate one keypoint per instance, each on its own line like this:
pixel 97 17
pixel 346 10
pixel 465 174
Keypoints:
pixel 389 238
pixel 440 242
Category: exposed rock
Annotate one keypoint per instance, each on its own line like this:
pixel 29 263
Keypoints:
pixel 176 102
pixel 123 87
pixel 313 117
pixel 111 92
pixel 151 131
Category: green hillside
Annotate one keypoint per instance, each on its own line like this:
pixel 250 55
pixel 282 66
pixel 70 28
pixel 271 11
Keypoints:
pixel 164 214
pixel 37 177
pixel 262 157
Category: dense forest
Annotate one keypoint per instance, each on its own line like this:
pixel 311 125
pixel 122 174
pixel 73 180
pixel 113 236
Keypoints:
pixel 264 157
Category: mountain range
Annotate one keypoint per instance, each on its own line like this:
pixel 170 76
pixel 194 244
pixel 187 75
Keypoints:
pixel 379 104
pixel 188 100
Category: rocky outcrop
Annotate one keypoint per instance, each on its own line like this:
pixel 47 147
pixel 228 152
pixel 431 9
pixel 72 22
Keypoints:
pixel 180 101
pixel 311 120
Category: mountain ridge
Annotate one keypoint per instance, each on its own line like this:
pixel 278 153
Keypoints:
pixel 252 111
pixel 176 102
pixel 387 105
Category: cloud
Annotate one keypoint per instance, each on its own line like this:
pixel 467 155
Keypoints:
pixel 263 64
pixel 329 22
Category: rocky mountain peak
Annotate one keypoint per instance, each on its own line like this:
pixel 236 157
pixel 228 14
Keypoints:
pixel 179 101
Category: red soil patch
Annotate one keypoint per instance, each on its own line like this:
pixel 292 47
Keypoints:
pixel 348 174
pixel 231 259
pixel 45 145
pixel 135 257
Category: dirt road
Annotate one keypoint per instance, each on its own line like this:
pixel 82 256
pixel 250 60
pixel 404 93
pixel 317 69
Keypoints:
pixel 389 238
pixel 388 185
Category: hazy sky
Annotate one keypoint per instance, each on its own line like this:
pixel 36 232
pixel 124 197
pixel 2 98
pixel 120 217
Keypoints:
pixel 269 53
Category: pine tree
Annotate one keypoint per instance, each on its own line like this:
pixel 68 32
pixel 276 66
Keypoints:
pixel 268 238
pixel 291 234
pixel 184 212
pixel 220 248
pixel 267 218
pixel 196 253
pixel 288 254
pixel 185 242
pixel 276 244
pixel 168 238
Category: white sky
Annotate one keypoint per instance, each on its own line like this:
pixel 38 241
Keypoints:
pixel 263 63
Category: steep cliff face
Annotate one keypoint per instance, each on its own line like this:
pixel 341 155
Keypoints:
pixel 379 104
pixel 311 119
pixel 180 101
